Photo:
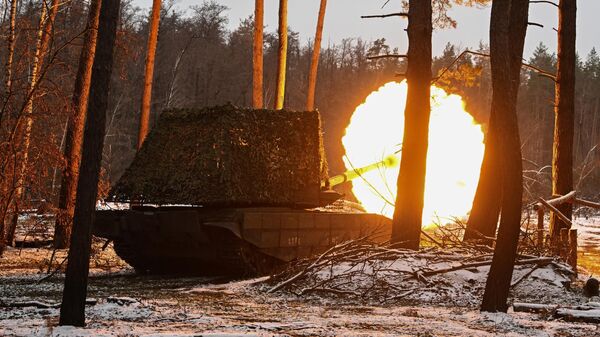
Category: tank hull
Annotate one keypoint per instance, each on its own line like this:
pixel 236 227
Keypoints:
pixel 229 241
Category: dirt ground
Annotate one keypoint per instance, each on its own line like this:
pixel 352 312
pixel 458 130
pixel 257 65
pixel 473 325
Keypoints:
pixel 129 304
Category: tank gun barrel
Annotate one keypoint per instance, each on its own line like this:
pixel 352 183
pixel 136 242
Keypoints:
pixel 389 161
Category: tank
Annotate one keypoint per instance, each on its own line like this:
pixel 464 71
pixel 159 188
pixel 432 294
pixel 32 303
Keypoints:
pixel 231 191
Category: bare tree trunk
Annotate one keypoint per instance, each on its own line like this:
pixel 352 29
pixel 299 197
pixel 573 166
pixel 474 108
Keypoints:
pixel 406 228
pixel 11 41
pixel 314 63
pixel 74 132
pixel 72 309
pixel 564 122
pixel 257 55
pixel 282 55
pixel 149 74
pixel 43 40
pixel 507 36
pixel 483 219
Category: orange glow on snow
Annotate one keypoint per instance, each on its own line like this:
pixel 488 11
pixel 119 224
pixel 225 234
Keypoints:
pixel 453 159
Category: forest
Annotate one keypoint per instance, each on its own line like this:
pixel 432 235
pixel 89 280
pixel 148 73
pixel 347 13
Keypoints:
pixel 111 112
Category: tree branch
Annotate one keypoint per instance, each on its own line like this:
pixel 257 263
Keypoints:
pixel 376 57
pixel 401 14
pixel 544 2
pixel 540 72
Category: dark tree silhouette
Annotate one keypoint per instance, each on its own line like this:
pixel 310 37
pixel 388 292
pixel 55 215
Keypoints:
pixel 406 230
pixel 508 27
pixel 72 309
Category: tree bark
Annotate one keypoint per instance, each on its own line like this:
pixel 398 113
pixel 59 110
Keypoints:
pixel 483 219
pixel 149 73
pixel 10 41
pixel 74 132
pixel 406 228
pixel 257 55
pixel 314 63
pixel 282 55
pixel 564 112
pixel 72 309
pixel 507 36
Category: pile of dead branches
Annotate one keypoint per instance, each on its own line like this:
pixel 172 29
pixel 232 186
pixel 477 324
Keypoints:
pixel 364 272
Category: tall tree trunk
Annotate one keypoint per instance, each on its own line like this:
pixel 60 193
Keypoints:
pixel 507 36
pixel 74 132
pixel 42 43
pixel 72 309
pixel 10 41
pixel 483 219
pixel 314 63
pixel 282 55
pixel 406 228
pixel 257 55
pixel 564 122
pixel 149 73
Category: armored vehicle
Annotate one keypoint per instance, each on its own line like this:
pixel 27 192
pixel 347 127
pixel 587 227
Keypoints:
pixel 225 190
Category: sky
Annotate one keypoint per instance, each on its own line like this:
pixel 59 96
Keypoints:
pixel 343 21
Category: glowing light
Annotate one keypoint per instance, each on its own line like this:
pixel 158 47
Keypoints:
pixel 453 159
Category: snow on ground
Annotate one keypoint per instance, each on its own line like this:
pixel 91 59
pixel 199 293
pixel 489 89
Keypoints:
pixel 145 305
pixel 588 231
pixel 129 304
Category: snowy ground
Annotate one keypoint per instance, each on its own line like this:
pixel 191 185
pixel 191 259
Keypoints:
pixel 140 305
pixel 588 227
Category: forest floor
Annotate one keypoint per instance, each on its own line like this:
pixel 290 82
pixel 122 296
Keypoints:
pixel 129 304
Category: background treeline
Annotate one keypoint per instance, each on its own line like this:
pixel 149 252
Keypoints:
pixel 200 62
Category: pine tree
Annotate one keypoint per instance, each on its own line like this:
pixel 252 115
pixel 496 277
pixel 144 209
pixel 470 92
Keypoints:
pixel 281 56
pixel 508 27
pixel 74 132
pixel 406 227
pixel 72 309
pixel 257 55
pixel 149 73
pixel 564 124
pixel 314 63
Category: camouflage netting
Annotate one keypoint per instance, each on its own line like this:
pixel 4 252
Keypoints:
pixel 228 156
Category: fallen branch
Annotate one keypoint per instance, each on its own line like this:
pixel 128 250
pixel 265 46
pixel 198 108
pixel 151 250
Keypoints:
pixel 40 304
pixel 534 307
pixel 538 261
pixel 317 261
pixel 587 203
pixel 569 197
pixel 575 315
pixel 526 275
pixel 556 211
